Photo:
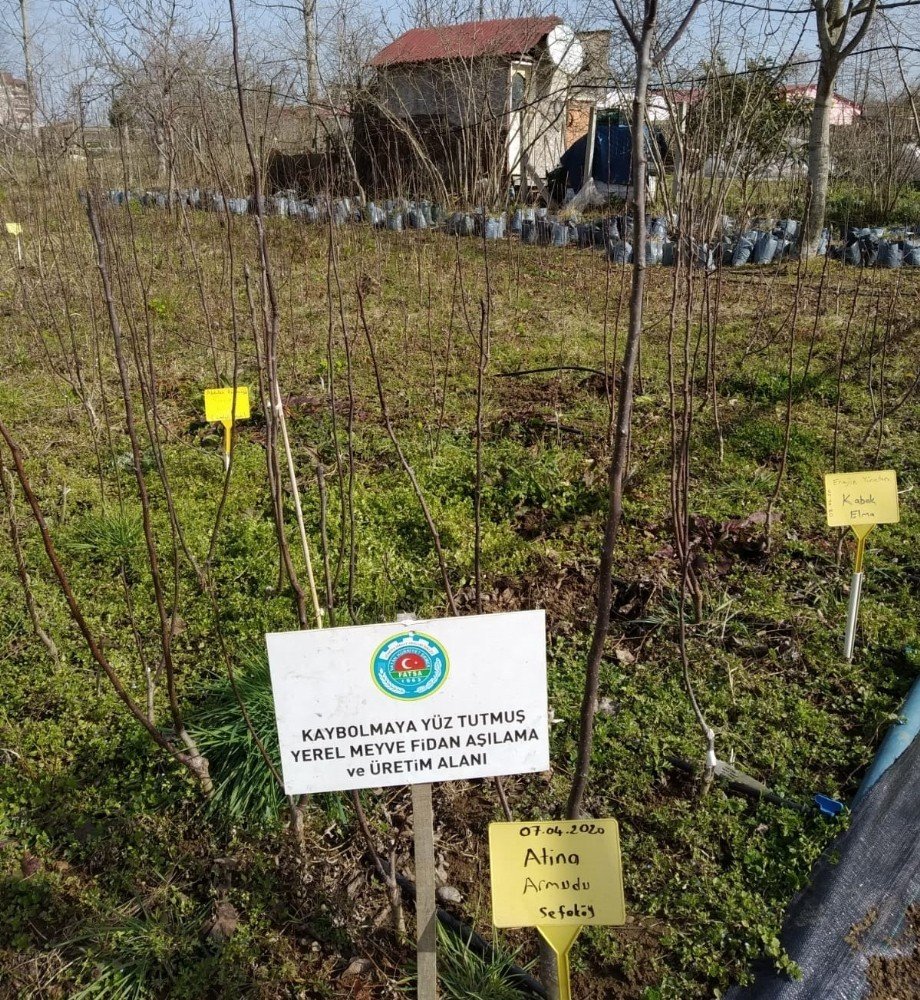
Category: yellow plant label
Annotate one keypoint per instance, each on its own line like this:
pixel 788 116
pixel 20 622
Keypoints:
pixel 861 498
pixel 555 874
pixel 14 228
pixel 219 404
pixel 560 938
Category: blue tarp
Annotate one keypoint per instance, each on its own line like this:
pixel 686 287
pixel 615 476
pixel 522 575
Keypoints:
pixel 855 910
pixel 612 151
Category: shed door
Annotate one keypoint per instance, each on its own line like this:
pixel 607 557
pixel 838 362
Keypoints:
pixel 519 85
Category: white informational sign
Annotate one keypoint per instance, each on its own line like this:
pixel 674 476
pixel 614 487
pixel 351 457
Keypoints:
pixel 403 704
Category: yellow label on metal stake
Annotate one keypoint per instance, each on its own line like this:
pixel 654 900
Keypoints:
pixel 14 228
pixel 861 498
pixel 220 405
pixel 558 877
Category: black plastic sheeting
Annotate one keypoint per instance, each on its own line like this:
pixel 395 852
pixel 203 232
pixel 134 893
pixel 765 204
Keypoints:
pixel 611 161
pixel 860 892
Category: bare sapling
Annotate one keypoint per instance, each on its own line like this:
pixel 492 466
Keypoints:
pixel 166 616
pixel 272 320
pixel 6 481
pixel 172 742
pixel 642 33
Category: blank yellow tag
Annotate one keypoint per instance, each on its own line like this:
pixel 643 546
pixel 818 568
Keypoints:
pixel 558 874
pixel 861 498
pixel 220 406
pixel 14 228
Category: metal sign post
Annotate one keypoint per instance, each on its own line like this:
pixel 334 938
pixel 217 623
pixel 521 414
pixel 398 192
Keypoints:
pixel 856 581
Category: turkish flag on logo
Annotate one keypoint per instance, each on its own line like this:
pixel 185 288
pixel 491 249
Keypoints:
pixel 408 663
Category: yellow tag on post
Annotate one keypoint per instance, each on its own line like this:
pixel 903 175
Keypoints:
pixel 221 406
pixel 861 498
pixel 563 873
pixel 14 228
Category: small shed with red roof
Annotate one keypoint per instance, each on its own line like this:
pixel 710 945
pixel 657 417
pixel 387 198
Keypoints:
pixel 486 100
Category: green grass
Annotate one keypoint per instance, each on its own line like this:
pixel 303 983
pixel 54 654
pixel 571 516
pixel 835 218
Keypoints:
pixel 110 860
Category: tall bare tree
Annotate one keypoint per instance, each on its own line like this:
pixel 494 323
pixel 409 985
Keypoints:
pixel 641 23
pixel 311 43
pixel 841 26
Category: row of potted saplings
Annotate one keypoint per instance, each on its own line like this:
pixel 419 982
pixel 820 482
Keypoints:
pixel 764 243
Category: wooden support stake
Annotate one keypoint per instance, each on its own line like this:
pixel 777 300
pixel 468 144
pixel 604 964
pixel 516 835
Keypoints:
pixel 425 904
pixel 589 152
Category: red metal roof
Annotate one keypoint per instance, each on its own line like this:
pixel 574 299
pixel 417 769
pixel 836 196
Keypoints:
pixel 507 36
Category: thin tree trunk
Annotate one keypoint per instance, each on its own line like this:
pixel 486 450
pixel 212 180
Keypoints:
pixel 819 157
pixel 618 462
pixel 309 37
pixel 31 606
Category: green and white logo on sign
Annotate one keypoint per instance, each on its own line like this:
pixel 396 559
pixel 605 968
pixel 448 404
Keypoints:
pixel 410 666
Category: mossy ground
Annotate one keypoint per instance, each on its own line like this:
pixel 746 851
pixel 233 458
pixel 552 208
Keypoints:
pixel 114 870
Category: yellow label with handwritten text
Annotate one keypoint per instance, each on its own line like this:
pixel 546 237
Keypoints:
pixel 556 873
pixel 855 498
pixel 14 228
pixel 219 404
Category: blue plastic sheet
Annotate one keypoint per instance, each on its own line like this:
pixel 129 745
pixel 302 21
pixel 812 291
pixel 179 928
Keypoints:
pixel 612 154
